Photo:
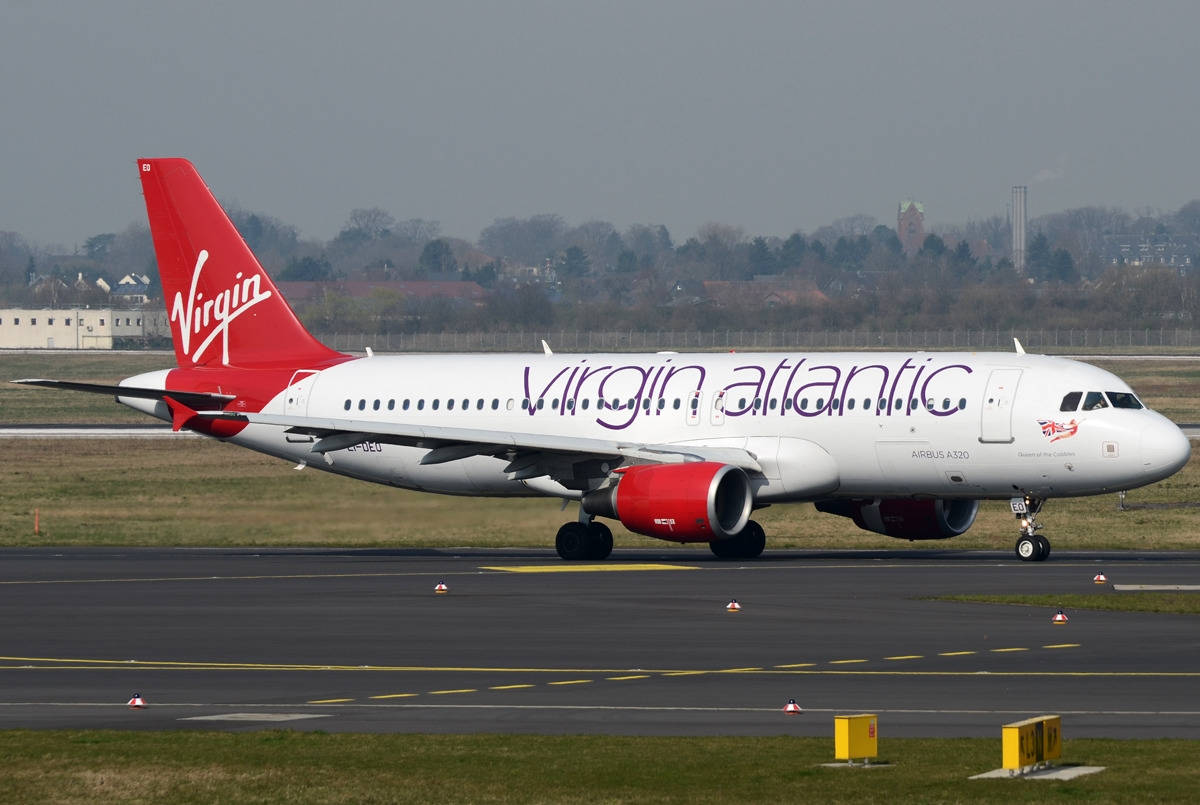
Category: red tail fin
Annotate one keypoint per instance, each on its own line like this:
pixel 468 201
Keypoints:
pixel 224 309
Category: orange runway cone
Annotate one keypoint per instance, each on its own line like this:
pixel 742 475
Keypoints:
pixel 136 703
pixel 733 606
pixel 441 588
pixel 1100 578
pixel 1060 619
pixel 791 708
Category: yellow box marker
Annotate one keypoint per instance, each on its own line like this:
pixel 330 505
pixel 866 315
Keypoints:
pixel 684 673
pixel 1030 742
pixel 905 657
pixel 1062 645
pixel 631 676
pixel 395 696
pixel 328 701
pixel 509 687
pixel 954 653
pixel 572 682
pixel 845 662
pixel 567 567
pixel 1005 650
pixel 798 665
pixel 856 737
pixel 443 692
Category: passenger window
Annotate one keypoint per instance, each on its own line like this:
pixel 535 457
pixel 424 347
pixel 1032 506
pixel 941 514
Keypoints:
pixel 803 403
pixel 541 403
pixel 479 404
pixel 1094 401
pixel 646 404
pixel 495 404
pixel 836 403
pixel 1071 401
pixel 1123 399
pixel 436 403
pixel 584 404
pixel 375 406
pixel 404 405
pixel 391 405
pixel 449 404
pixel 676 404
pixel 421 404
pixel 962 403
pixel 662 403
pixel 554 404
pixel 362 405
pixel 850 404
pixel 946 404
pixel 347 406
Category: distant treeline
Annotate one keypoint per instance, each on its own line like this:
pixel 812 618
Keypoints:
pixel 541 273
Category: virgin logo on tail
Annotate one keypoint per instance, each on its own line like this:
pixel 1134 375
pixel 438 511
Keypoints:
pixel 198 314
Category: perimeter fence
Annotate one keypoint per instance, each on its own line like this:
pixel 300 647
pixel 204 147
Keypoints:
pixel 1033 340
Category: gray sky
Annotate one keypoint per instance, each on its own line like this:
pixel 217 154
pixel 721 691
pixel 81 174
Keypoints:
pixel 774 116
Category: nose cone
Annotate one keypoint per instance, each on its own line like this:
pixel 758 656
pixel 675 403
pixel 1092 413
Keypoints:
pixel 1165 449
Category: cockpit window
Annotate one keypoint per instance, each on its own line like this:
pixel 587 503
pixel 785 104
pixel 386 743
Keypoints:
pixel 1123 399
pixel 1094 401
pixel 1071 401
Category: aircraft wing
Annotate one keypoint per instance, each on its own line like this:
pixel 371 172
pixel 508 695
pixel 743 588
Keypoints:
pixel 530 454
pixel 198 400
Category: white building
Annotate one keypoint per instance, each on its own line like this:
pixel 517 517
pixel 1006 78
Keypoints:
pixel 77 328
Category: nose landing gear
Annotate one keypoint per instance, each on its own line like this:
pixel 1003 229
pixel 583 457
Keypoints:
pixel 1031 546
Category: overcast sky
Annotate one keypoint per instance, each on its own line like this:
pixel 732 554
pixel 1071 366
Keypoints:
pixel 774 116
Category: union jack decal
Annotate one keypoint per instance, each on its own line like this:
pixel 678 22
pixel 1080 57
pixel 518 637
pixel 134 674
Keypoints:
pixel 1058 430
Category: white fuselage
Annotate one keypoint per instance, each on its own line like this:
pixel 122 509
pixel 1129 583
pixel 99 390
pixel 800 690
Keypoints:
pixel 822 425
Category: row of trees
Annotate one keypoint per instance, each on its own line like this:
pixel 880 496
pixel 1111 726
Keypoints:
pixel 851 272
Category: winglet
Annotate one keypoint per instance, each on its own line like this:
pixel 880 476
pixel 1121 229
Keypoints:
pixel 1020 349
pixel 546 348
pixel 180 413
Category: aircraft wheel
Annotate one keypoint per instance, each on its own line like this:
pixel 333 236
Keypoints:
pixel 1028 549
pixel 601 539
pixel 574 542
pixel 746 544
pixel 1043 548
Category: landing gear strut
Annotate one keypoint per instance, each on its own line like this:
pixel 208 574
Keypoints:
pixel 1031 546
pixel 746 544
pixel 584 541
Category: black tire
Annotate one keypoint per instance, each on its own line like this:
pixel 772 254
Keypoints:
pixel 601 539
pixel 1043 548
pixel 746 544
pixel 574 542
pixel 1028 549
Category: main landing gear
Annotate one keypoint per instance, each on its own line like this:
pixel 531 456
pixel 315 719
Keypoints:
pixel 1031 546
pixel 584 541
pixel 746 544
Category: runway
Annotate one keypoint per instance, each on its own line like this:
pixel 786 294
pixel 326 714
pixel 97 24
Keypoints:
pixel 357 640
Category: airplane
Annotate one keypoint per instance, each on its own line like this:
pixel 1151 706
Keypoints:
pixel 678 446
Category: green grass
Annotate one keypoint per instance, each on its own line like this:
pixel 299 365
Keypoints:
pixel 198 492
pixel 301 767
pixel 1177 603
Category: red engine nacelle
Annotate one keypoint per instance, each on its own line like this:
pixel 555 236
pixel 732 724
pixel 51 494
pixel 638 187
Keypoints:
pixel 907 519
pixel 697 502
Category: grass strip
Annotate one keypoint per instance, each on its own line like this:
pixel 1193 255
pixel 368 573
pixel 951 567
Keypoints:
pixel 314 767
pixel 1175 603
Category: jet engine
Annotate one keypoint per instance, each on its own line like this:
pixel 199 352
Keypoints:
pixel 907 519
pixel 693 502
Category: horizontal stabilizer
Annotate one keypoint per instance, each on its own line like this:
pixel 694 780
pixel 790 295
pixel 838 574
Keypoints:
pixel 199 400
